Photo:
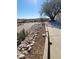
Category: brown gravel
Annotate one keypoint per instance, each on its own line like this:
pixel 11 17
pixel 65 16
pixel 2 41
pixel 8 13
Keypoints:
pixel 38 48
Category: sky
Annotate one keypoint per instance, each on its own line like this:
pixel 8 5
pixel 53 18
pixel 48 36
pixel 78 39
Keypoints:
pixel 29 8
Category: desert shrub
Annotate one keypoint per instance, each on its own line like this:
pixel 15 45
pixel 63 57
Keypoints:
pixel 21 36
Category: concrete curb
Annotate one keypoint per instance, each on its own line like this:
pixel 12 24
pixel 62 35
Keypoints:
pixel 45 55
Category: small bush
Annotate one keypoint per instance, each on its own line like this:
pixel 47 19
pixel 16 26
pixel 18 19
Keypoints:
pixel 21 36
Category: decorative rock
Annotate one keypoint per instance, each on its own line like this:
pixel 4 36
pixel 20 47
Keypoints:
pixel 23 49
pixel 36 34
pixel 30 38
pixel 22 42
pixel 19 48
pixel 22 45
pixel 18 53
pixel 25 52
pixel 29 48
pixel 33 39
pixel 21 56
pixel 43 35
pixel 32 42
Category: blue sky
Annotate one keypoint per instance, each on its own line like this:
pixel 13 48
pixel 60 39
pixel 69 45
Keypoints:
pixel 28 8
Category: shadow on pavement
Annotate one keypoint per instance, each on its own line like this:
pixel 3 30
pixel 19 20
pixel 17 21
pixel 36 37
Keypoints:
pixel 56 24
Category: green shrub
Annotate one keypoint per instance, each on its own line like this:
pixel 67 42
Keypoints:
pixel 21 36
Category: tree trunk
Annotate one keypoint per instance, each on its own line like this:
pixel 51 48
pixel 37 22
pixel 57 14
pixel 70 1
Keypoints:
pixel 52 18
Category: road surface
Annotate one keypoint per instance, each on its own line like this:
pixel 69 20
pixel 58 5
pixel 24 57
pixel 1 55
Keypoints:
pixel 55 39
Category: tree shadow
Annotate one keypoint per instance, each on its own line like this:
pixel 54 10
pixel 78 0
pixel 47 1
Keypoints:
pixel 56 24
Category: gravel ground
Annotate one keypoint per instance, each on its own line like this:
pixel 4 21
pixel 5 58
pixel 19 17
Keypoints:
pixel 25 26
pixel 37 49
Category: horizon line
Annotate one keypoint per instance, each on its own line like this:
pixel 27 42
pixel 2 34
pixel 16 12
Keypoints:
pixel 30 17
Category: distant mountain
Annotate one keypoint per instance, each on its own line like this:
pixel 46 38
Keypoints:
pixel 32 20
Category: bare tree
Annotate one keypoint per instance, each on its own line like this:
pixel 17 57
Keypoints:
pixel 51 8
